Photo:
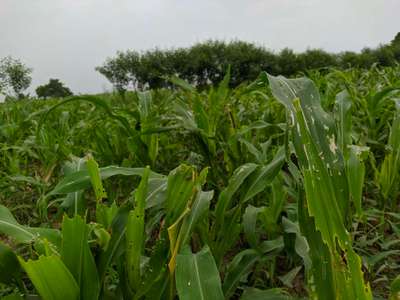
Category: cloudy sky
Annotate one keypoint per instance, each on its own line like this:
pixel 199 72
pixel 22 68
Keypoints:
pixel 67 39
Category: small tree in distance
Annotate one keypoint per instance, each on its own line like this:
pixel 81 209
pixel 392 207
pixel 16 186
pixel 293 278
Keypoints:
pixel 54 89
pixel 15 77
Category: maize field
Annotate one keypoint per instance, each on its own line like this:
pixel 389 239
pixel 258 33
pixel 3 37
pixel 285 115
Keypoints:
pixel 277 189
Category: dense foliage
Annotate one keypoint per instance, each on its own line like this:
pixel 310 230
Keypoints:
pixel 282 188
pixel 207 62
pixel 15 77
pixel 54 88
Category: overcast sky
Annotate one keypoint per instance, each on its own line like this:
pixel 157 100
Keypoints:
pixel 67 39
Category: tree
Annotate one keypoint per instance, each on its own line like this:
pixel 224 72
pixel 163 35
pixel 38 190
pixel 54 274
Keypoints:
pixel 396 40
pixel 317 59
pixel 289 62
pixel 15 77
pixel 205 63
pixel 55 88
pixel 395 46
pixel 349 59
pixel 384 56
pixel 122 70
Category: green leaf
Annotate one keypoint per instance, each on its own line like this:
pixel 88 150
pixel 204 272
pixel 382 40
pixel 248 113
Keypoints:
pixel 105 214
pixel 395 288
pixel 376 101
pixel 98 102
pixel 182 83
pixel 179 232
pixel 388 174
pixel 156 192
pixel 81 180
pixel 155 279
pixel 227 227
pixel 179 192
pixel 264 175
pixel 321 273
pixel 374 259
pixel 325 181
pixel 51 278
pixel 225 198
pixel 144 104
pixel 301 244
pixel 249 224
pixel 317 154
pixel 74 202
pixel 275 245
pixel 241 265
pixel 355 176
pixel 272 212
pixel 288 278
pixel 95 179
pixel 77 256
pixel 343 111
pixel 135 233
pixel 118 229
pixel 197 276
pixel 24 234
pixel 199 208
pixel 9 265
pixel 102 235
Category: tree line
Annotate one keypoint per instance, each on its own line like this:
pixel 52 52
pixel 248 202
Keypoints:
pixel 16 77
pixel 201 65
pixel 205 63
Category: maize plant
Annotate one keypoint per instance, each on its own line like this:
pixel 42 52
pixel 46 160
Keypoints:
pixel 327 190
pixel 276 189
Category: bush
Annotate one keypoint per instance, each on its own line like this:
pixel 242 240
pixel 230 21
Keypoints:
pixel 54 89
